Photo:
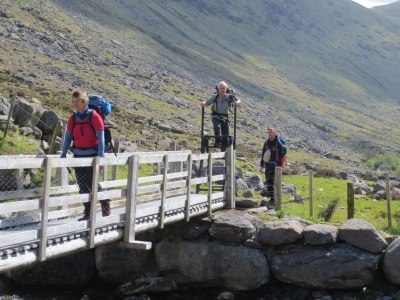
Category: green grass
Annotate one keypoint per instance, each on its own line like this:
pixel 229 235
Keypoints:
pixel 15 144
pixel 327 189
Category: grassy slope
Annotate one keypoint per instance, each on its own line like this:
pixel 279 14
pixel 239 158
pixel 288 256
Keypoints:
pixel 329 67
pixel 326 61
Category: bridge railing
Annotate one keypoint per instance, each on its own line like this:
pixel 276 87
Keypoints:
pixel 40 201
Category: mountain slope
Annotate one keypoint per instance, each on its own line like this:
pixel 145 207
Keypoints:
pixel 323 72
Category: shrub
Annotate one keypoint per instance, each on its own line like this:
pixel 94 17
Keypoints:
pixel 327 172
pixel 328 210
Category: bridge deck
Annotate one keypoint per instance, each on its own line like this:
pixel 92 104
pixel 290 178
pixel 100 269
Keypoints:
pixel 40 223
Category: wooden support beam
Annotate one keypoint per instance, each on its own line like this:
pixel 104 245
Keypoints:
pixel 230 177
pixel 131 197
pixel 210 183
pixel 163 192
pixel 278 188
pixel 93 201
pixel 45 208
pixel 188 184
pixel 136 245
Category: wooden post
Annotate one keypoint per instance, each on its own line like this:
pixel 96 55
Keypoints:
pixel 54 136
pixel 62 180
pixel 93 201
pixel 230 177
pixel 310 183
pixel 163 192
pixel 64 131
pixel 115 167
pixel 389 207
pixel 350 200
pixel 210 183
pixel 278 188
pixel 9 115
pixel 188 184
pixel 45 208
pixel 131 195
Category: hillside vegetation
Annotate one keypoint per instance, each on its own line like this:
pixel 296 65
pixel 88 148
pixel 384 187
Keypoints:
pixel 323 72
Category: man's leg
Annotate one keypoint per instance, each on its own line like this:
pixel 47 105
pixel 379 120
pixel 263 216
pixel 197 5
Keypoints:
pixel 224 131
pixel 216 122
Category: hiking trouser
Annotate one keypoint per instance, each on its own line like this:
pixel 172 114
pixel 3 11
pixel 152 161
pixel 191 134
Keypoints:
pixel 84 177
pixel 224 124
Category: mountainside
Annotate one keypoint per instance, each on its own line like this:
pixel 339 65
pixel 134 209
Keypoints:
pixel 324 72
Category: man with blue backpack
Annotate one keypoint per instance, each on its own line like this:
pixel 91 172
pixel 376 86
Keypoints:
pixel 272 156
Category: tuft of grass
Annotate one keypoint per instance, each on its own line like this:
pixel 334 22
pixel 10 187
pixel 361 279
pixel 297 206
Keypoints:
pixel 327 211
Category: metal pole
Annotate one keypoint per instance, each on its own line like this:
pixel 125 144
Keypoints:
pixel 234 131
pixel 202 124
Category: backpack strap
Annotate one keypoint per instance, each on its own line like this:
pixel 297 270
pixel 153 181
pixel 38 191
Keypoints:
pixel 215 110
pixel 89 121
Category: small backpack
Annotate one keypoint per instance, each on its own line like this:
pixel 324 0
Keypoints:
pixel 284 151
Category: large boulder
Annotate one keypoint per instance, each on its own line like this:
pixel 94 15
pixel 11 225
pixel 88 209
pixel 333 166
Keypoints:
pixel 362 234
pixel 26 113
pixel 5 106
pixel 119 264
pixel 231 228
pixel 391 262
pixel 335 266
pixel 255 182
pixel 320 234
pixel 48 122
pixel 211 264
pixel 280 232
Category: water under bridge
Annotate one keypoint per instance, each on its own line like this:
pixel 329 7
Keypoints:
pixel 40 203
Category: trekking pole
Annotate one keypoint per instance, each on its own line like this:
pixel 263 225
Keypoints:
pixel 113 149
pixel 234 131
pixel 202 131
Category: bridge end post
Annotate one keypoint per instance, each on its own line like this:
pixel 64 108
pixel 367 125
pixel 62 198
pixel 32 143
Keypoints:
pixel 230 177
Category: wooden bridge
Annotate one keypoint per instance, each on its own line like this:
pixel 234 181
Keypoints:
pixel 40 202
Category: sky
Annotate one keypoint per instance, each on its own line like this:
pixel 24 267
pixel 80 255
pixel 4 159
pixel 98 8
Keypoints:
pixel 371 3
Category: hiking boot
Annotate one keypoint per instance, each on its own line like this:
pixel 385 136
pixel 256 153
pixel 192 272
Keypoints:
pixel 105 209
pixel 84 218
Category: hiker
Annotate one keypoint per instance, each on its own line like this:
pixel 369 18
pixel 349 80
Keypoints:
pixel 221 103
pixel 88 142
pixel 271 157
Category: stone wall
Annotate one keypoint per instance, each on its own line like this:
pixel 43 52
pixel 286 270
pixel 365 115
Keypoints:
pixel 239 251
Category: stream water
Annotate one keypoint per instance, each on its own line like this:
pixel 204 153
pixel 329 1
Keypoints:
pixel 100 290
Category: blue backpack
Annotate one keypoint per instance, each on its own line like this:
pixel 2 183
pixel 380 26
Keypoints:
pixel 283 142
pixel 100 105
